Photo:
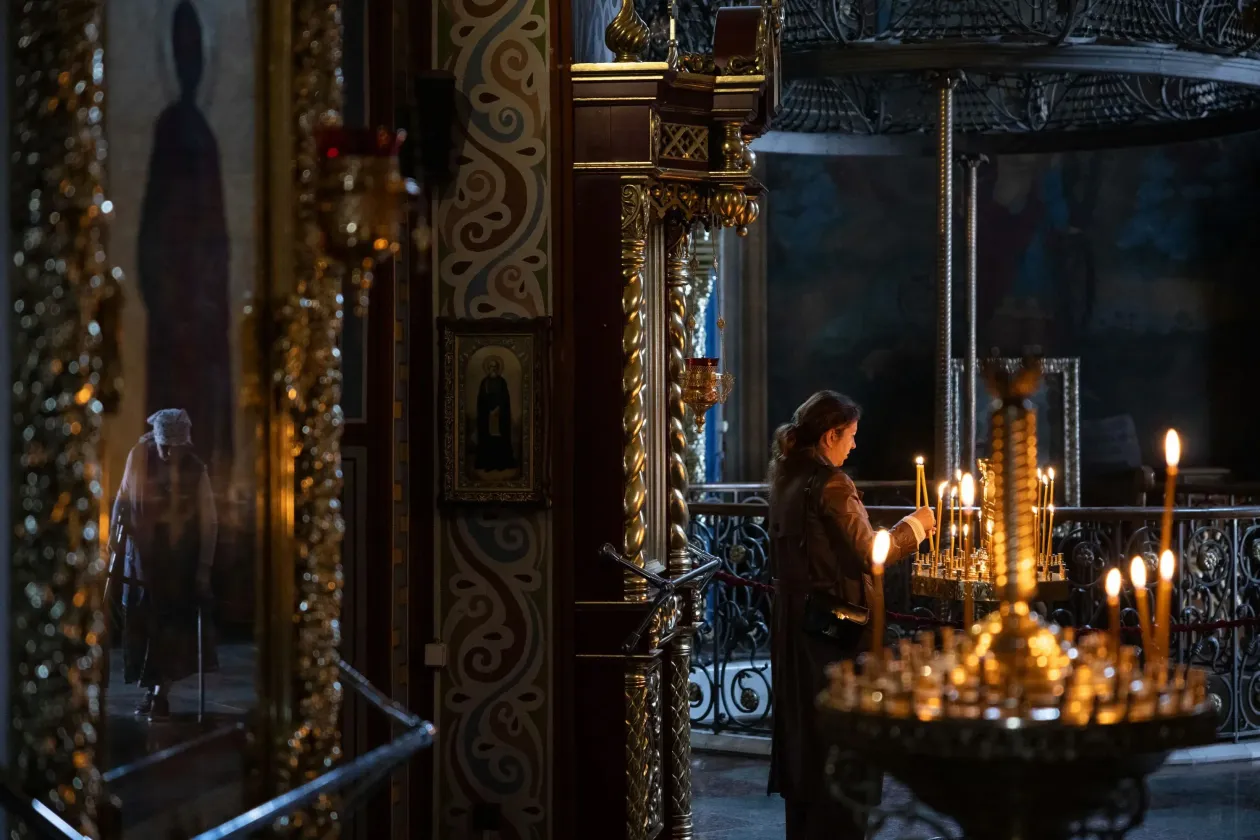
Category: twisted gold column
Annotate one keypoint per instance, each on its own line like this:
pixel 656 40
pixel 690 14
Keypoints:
pixel 635 210
pixel 677 278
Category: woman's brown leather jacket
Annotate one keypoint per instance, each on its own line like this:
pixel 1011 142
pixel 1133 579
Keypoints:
pixel 821 534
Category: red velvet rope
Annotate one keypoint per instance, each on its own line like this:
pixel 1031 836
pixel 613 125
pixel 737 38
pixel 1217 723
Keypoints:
pixel 922 621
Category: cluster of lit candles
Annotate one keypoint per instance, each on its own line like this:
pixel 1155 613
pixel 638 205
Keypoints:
pixel 955 500
pixel 956 513
pixel 1155 634
pixel 1096 680
pixel 928 681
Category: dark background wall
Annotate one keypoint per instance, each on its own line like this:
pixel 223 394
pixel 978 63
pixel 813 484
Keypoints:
pixel 1141 262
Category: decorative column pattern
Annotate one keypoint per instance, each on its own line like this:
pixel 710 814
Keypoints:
pixel 682 826
pixel 635 207
pixel 638 746
pixel 945 437
pixel 61 350
pixel 312 385
pixel 677 277
pixel 679 255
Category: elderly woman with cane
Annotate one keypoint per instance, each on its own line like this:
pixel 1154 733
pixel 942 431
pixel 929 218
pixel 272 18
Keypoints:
pixel 165 516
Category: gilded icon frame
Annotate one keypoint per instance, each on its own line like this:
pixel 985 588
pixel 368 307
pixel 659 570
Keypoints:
pixel 522 346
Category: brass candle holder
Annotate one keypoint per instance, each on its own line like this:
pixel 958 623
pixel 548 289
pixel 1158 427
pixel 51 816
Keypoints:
pixel 359 199
pixel 703 385
pixel 982 725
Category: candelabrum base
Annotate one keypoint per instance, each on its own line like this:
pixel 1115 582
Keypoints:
pixel 1004 779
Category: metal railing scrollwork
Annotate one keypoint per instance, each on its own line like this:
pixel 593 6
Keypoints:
pixel 1215 608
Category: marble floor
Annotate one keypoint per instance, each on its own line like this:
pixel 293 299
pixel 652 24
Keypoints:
pixel 193 790
pixel 1196 802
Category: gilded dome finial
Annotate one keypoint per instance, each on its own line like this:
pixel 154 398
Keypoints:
pixel 627 34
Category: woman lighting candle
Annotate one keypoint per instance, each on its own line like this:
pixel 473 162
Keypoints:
pixel 1113 610
pixel 1137 574
pixel 1172 457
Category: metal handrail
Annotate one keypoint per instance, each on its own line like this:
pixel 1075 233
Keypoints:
pixel 376 764
pixel 366 769
pixel 154 759
pixel 37 816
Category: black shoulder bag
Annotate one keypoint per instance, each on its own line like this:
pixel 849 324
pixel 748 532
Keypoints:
pixel 827 615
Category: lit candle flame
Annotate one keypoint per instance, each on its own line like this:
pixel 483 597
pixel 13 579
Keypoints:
pixel 1137 573
pixel 957 475
pixel 879 550
pixel 1050 472
pixel 940 489
pixel 1167 564
pixel 968 490
pixel 918 461
pixel 1172 448
pixel 1113 583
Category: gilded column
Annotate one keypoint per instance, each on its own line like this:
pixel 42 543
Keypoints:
pixel 638 749
pixel 677 278
pixel 681 823
pixel 635 208
pixel 678 708
pixel 313 389
pixel 60 356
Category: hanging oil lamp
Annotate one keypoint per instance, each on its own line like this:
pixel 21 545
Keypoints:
pixel 359 200
pixel 704 386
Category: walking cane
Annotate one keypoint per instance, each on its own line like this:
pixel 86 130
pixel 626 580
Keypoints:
pixel 201 670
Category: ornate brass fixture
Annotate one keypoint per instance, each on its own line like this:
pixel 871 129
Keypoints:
pixel 704 386
pixel 627 34
pixel 360 200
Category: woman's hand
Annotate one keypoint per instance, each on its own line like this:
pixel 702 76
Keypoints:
pixel 926 518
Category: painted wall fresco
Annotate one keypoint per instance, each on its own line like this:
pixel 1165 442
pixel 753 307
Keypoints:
pixel 493 589
pixel 1137 261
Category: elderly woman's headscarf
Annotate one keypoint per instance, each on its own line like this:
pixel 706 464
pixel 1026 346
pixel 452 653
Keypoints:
pixel 171 427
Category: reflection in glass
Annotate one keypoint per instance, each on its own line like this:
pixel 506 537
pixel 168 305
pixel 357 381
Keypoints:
pixel 179 458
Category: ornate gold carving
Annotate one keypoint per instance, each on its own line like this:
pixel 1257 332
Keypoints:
pixel 638 744
pixel 635 216
pixel 677 279
pixel 627 34
pixel 736 156
pixel 59 279
pixel 678 705
pixel 732 207
pixel 684 142
pixel 312 390
pixel 699 63
pixel 681 197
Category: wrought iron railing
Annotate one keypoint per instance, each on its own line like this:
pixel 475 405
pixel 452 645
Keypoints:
pixel 355 781
pixel 1216 600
